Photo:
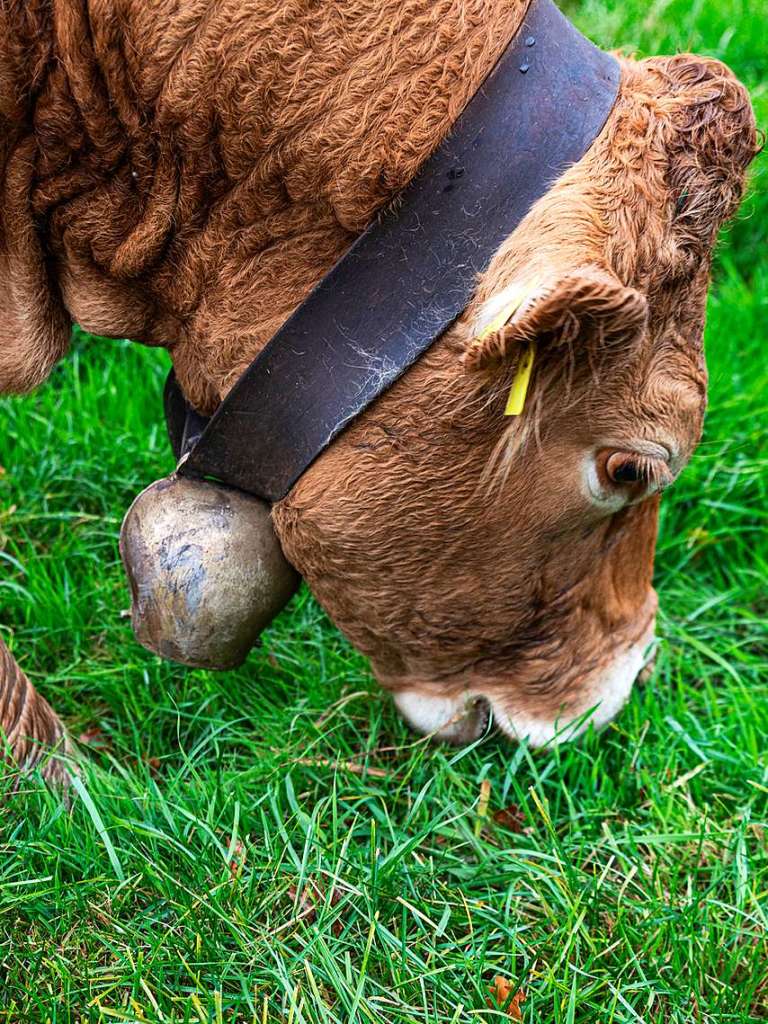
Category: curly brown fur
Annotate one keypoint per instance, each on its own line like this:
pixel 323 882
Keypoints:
pixel 193 169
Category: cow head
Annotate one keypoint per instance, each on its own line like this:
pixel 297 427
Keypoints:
pixel 485 563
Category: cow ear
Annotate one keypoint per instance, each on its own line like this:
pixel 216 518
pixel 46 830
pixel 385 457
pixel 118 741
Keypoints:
pixel 588 305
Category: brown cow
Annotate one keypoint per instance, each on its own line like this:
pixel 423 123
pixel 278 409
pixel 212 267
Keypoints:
pixel 184 172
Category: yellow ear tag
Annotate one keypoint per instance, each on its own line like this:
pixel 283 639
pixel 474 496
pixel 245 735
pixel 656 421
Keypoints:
pixel 519 389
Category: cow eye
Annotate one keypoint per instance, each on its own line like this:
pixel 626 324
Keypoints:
pixel 625 468
pixel 615 477
pixel 633 471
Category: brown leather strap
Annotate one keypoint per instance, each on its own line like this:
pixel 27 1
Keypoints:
pixel 414 270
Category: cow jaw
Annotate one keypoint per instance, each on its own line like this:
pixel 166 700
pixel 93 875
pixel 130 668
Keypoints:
pixel 465 717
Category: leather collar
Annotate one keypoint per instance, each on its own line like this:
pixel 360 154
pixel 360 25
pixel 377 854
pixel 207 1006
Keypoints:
pixel 413 271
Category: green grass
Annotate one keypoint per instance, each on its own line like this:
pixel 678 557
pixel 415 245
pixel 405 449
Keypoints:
pixel 630 883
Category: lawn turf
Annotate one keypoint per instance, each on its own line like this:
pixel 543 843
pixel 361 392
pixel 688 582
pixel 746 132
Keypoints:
pixel 273 844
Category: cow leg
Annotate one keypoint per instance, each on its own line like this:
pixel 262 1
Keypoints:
pixel 31 727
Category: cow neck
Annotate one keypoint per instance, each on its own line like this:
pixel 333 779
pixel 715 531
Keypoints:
pixel 413 271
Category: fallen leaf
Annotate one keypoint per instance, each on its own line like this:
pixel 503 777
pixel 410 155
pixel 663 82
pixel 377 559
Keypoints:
pixel 500 992
pixel 510 818
pixel 93 738
pixel 312 897
pixel 237 863
pixel 482 805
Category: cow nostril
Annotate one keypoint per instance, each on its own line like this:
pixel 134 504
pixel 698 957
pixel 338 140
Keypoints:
pixel 482 708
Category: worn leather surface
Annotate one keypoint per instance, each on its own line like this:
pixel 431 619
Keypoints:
pixel 413 271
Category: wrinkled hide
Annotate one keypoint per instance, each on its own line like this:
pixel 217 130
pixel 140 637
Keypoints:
pixel 184 173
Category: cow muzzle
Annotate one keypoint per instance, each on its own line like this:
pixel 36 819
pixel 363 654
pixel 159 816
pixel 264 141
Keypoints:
pixel 206 570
